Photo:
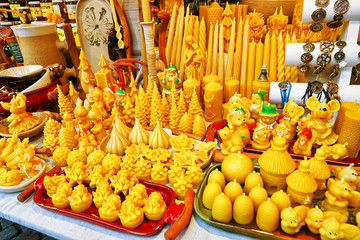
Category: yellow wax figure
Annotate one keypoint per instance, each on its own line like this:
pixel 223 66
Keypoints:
pixel 171 75
pixel 238 122
pixel 268 117
pixel 256 102
pixel 291 114
pixel 213 99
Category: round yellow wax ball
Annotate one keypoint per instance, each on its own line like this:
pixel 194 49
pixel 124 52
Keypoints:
pixel 210 192
pixel 258 195
pixel 60 156
pixel 243 209
pixel 222 208
pixel 252 180
pixel 76 156
pixel 281 200
pixel 218 177
pixel 237 166
pixel 267 217
pixel 233 190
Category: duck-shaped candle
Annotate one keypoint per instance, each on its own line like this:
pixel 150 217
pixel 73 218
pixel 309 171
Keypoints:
pixel 301 184
pixel 155 206
pixel 138 134
pixel 159 138
pixel 63 192
pixel 243 210
pixel 110 209
pixel 130 215
pixel 103 191
pixel 275 165
pixel 80 199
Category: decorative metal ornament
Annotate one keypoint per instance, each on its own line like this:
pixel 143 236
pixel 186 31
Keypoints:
pixel 327 46
pixel 357 68
pixel 303 68
pixel 340 44
pixel 335 71
pixel 317 87
pixel 332 88
pixel 318 15
pixel 306 57
pixel 308 47
pixel 284 85
pixel 339 56
pixel 334 24
pixel 318 70
pixel 341 6
pixel 338 17
pixel 316 27
pixel 323 59
pixel 359 55
pixel 322 3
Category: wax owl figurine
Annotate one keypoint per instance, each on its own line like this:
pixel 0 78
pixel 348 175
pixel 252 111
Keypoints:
pixel 19 119
pixel 256 102
pixel 171 75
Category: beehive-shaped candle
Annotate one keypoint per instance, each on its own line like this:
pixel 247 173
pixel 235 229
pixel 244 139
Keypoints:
pixel 218 177
pixel 350 133
pixel 117 142
pixel 275 165
pixel 243 210
pixel 281 200
pixel 320 170
pixel 138 134
pixel 267 217
pixel 159 138
pixel 258 195
pixel 222 208
pixel 233 190
pixel 210 192
pixel 252 180
pixel 301 184
pixel 345 106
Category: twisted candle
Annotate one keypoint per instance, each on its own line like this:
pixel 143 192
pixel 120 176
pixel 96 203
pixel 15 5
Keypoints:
pixel 293 70
pixel 287 69
pixel 209 52
pixel 180 38
pixel 281 59
pixel 171 34
pixel 237 58
pixel 230 59
pixel 202 46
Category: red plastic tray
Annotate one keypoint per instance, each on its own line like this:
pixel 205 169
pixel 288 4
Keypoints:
pixel 91 215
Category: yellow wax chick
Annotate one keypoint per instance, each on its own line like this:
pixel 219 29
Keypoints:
pixel 194 172
pixel 159 174
pixel 123 182
pixel 155 207
pixel 217 176
pixel 76 156
pixel 252 180
pixel 10 178
pixel 292 219
pixel 281 200
pixel 97 175
pixel 80 199
pixel 181 186
pixel 138 134
pixel 182 142
pixel 51 183
pixel 111 208
pixel 258 195
pixel 233 190
pixel 78 173
pixel 210 192
pixel 243 210
pixel 112 163
pixel 222 208
pixel 60 156
pixel 63 192
pixel 103 191
pixel 95 158
pixel 143 169
pixel 267 217
pixel 130 215
pixel 138 195
pixel 174 173
pixel 159 138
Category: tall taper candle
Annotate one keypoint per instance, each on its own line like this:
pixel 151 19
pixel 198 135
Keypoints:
pixel 266 55
pixel 170 38
pixel 244 59
pixel 230 57
pixel 221 54
pixel 215 60
pixel 250 69
pixel 273 54
pixel 281 59
pixel 179 43
pixel 259 58
pixel 293 70
pixel 176 38
pixel 287 69
pixel 182 66
pixel 209 51
pixel 238 51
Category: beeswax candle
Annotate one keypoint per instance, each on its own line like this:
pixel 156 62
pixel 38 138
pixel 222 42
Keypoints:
pixel 293 70
pixel 238 51
pixel 287 69
pixel 273 54
pixel 170 39
pixel 180 38
pixel 215 60
pixel 146 10
pixel 182 65
pixel 176 37
pixel 350 133
pixel 188 87
pixel 266 55
pixel 209 52
pixel 221 53
pixel 238 14
pixel 213 99
pixel 244 58
pixel 250 69
pixel 230 57
pixel 345 107
pixel 231 87
pixel 259 58
pixel 280 59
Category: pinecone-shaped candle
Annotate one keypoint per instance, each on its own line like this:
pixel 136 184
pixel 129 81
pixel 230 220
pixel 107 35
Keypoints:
pixel 174 92
pixel 67 138
pixel 301 184
pixel 165 111
pixel 155 107
pixel 141 110
pixel 227 21
pixel 199 127
pixel 275 165
pixel 73 94
pixel 133 89
pixel 185 124
pixel 174 115
pixel 181 104
pixel 64 103
pixel 149 92
pixel 51 134
pixel 194 106
pixel 128 112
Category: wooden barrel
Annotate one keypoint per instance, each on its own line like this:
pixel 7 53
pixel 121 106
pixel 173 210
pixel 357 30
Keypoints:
pixel 268 7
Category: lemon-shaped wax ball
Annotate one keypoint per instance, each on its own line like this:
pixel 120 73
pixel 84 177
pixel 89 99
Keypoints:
pixel 267 217
pixel 233 189
pixel 252 180
pixel 237 166
pixel 222 208
pixel 218 177
pixel 243 209
pixel 60 156
pixel 210 192
pixel 281 200
pixel 258 195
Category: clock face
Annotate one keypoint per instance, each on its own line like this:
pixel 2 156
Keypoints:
pixel 332 88
pixel 316 87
